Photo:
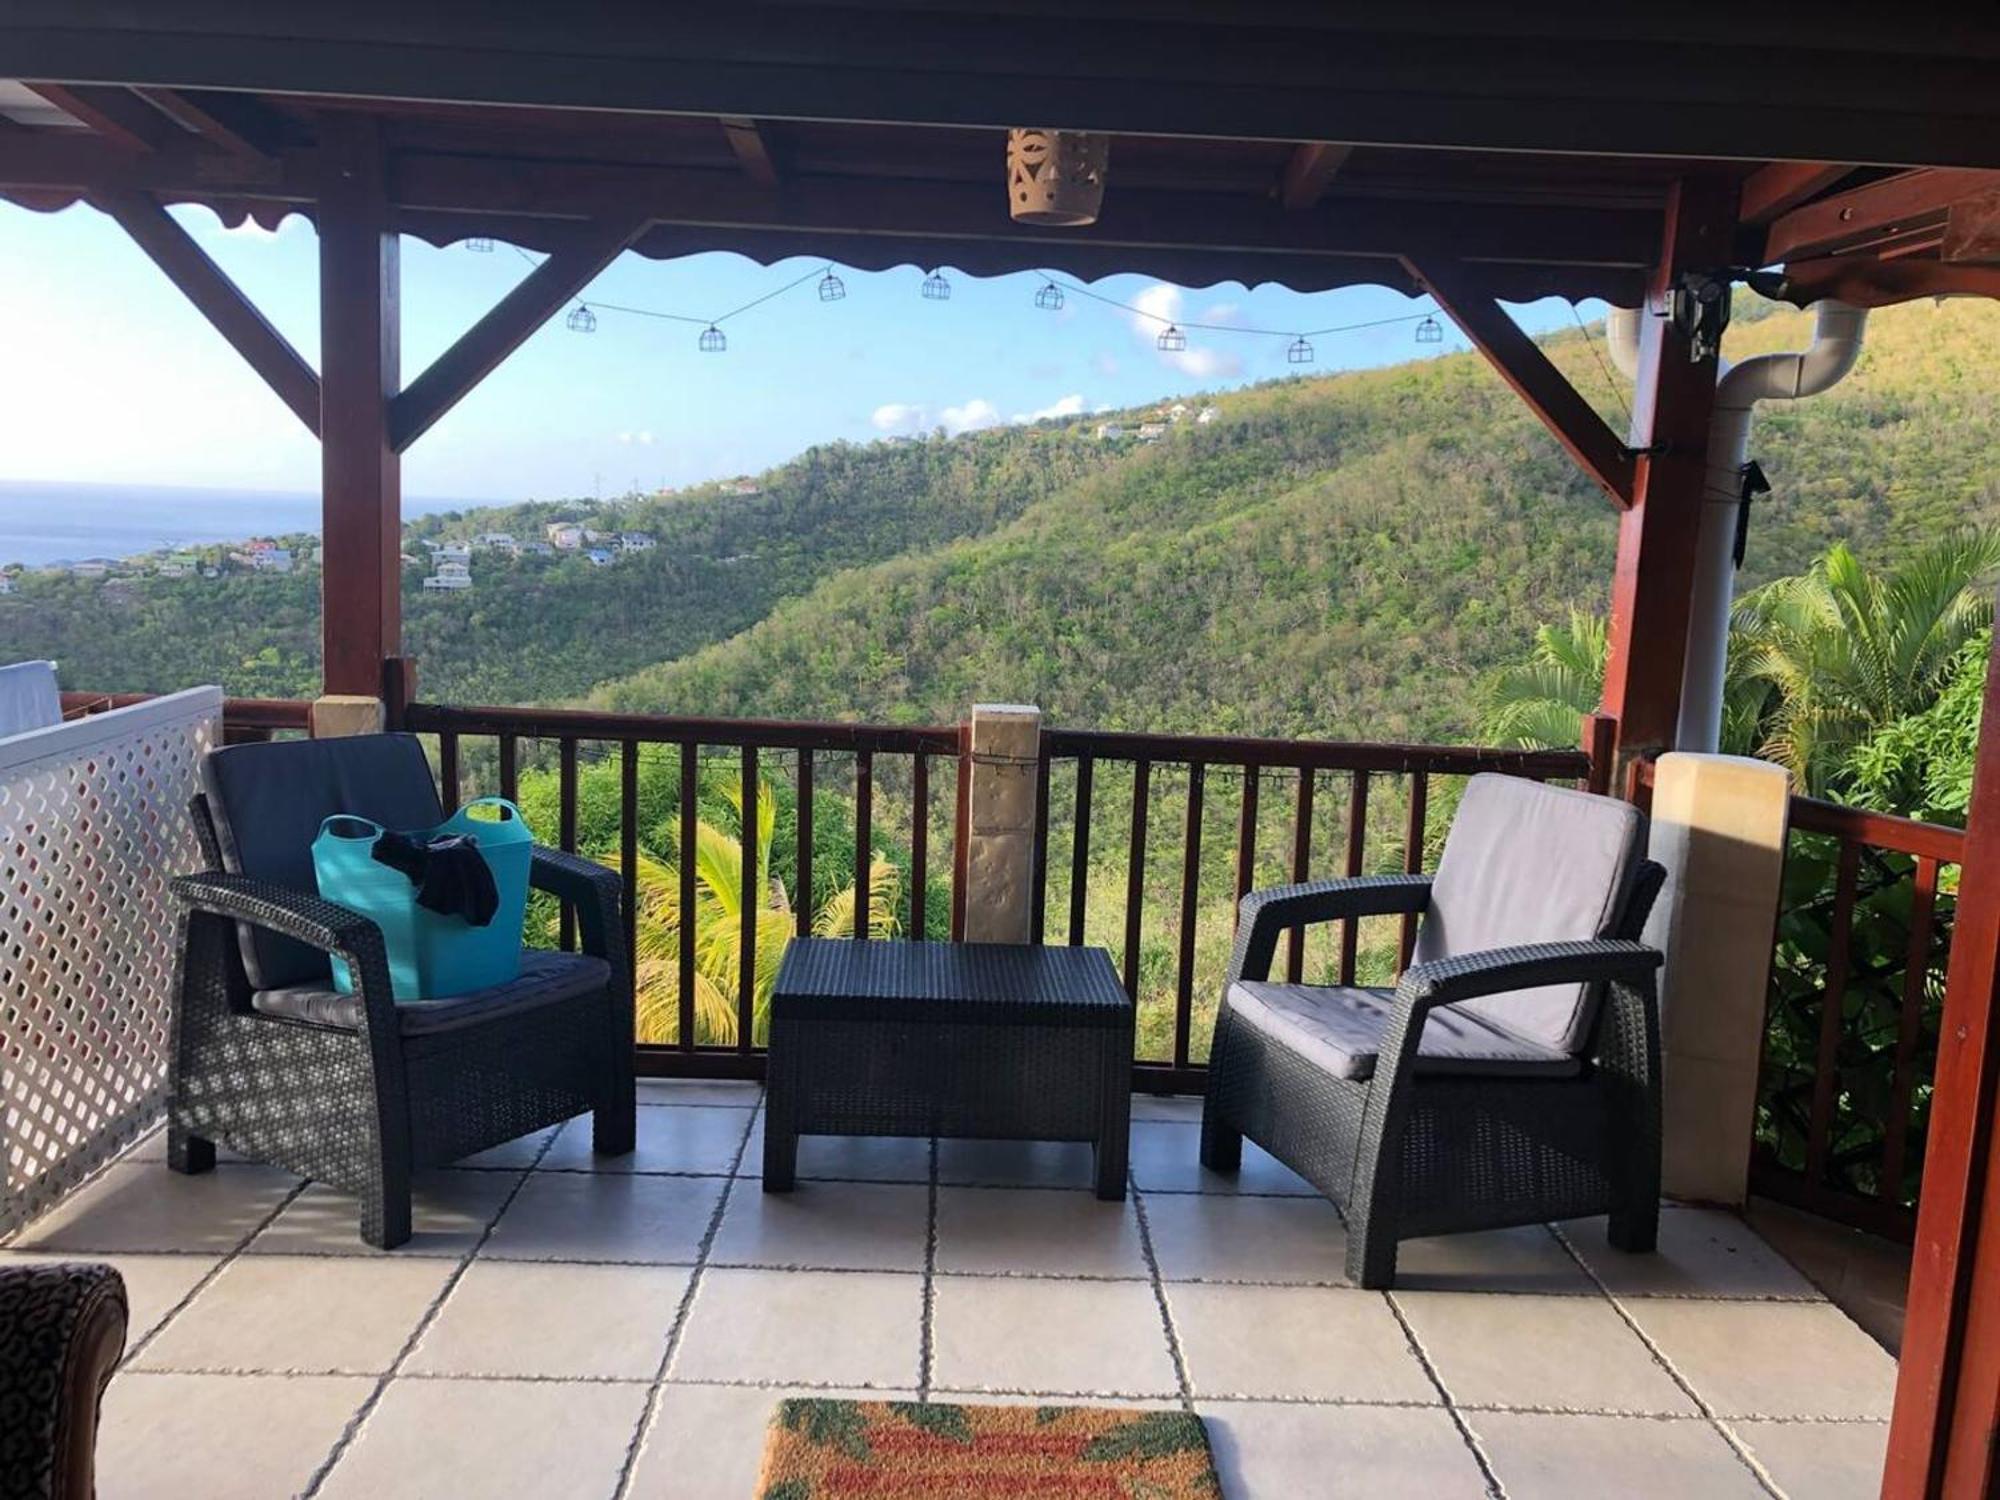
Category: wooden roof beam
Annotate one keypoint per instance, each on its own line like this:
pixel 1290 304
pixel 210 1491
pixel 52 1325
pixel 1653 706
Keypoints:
pixel 753 152
pixel 453 374
pixel 1522 364
pixel 118 115
pixel 1783 185
pixel 1312 165
pixel 220 300
pixel 242 127
pixel 1882 210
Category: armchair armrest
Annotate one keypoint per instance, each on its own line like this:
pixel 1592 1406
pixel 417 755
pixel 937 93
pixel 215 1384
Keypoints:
pixel 594 892
pixel 1267 913
pixel 1446 981
pixel 66 1330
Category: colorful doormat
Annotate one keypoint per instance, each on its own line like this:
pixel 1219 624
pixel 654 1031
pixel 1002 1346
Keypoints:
pixel 905 1450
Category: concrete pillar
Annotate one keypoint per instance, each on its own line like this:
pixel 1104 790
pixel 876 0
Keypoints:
pixel 339 714
pixel 1719 826
pixel 1000 857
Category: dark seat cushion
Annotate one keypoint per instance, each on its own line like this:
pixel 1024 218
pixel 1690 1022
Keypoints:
pixel 1339 1028
pixel 268 801
pixel 546 979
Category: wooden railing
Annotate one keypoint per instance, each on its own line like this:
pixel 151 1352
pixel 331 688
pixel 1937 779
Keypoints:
pixel 242 718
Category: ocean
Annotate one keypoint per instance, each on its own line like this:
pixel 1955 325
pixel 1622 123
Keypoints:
pixel 45 521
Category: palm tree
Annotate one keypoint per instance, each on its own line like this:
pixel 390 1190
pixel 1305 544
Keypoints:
pixel 720 892
pixel 1843 651
pixel 1541 703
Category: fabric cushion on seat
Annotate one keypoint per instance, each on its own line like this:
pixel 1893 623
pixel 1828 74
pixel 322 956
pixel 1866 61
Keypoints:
pixel 268 801
pixel 1340 1029
pixel 1528 863
pixel 546 979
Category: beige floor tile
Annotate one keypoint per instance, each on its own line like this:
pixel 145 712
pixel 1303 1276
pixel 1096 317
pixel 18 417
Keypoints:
pixel 696 1138
pixel 608 1216
pixel 1166 1157
pixel 839 1226
pixel 1002 1231
pixel 318 1316
pixel 142 1206
pixel 700 1091
pixel 1013 1334
pixel 1323 1343
pixel 847 1158
pixel 1771 1359
pixel 1544 1457
pixel 499 1440
pixel 846 1328
pixel 519 1153
pixel 219 1437
pixel 1274 1452
pixel 1224 1237
pixel 1702 1253
pixel 708 1440
pixel 1569 1353
pixel 1050 1164
pixel 577 1322
pixel 154 1284
pixel 1526 1259
pixel 1820 1460
pixel 449 1213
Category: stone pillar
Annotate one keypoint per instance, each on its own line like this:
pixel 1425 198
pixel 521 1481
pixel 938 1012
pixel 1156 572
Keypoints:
pixel 1006 746
pixel 1719 826
pixel 338 714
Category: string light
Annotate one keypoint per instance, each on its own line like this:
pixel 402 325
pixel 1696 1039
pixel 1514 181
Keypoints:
pixel 831 287
pixel 712 340
pixel 583 320
pixel 479 245
pixel 1050 297
pixel 1430 331
pixel 936 288
pixel 1171 340
pixel 1299 352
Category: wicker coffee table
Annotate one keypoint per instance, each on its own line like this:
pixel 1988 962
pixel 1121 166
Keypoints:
pixel 988 1040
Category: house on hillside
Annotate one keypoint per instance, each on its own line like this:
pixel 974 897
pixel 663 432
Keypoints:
pixel 1178 412
pixel 450 576
pixel 566 536
pixel 1109 432
pixel 536 549
pixel 6 583
pixel 500 540
pixel 743 486
pixel 1206 415
pixel 599 557
pixel 635 541
pixel 1152 432
pixel 91 567
pixel 457 552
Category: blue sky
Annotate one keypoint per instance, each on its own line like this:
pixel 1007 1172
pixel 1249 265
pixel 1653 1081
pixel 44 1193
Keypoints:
pixel 111 376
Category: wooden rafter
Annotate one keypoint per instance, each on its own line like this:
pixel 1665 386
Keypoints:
pixel 1867 282
pixel 241 127
pixel 1521 363
pixel 118 115
pixel 221 301
pixel 1784 185
pixel 1311 166
pixel 1881 211
pixel 753 152
pixel 540 294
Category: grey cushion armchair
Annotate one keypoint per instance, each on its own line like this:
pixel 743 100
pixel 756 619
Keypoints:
pixel 1512 1075
pixel 358 1090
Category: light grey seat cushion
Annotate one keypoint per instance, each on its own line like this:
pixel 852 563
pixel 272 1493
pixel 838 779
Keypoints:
pixel 546 979
pixel 1340 1028
pixel 1528 863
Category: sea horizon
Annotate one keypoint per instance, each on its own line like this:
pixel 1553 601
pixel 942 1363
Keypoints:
pixel 45 521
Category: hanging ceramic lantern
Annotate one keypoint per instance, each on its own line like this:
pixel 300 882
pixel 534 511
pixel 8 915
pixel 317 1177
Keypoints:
pixel 1430 331
pixel 1299 352
pixel 583 320
pixel 1049 298
pixel 478 244
pixel 936 288
pixel 711 340
pixel 1171 340
pixel 1055 177
pixel 831 288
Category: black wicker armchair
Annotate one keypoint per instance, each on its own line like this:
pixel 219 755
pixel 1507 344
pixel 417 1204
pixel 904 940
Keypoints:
pixel 359 1091
pixel 62 1331
pixel 1511 1077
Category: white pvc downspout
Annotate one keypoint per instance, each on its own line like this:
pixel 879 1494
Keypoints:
pixel 1836 345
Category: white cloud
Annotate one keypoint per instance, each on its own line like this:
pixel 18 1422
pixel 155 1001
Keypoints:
pixel 973 415
pixel 898 416
pixel 642 439
pixel 1163 302
pixel 1068 406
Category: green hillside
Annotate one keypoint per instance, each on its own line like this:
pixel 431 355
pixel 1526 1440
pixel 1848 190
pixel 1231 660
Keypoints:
pixel 1343 556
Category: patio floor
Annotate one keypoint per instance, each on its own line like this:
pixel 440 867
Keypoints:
pixel 563 1327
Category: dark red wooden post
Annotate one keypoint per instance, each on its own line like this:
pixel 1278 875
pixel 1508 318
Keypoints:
pixel 360 473
pixel 1947 1415
pixel 1652 587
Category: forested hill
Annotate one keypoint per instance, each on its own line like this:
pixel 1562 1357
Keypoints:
pixel 1342 556
pixel 1336 555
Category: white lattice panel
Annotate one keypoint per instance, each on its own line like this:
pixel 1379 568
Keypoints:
pixel 93 825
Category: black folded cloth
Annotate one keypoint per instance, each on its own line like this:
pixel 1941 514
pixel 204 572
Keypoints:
pixel 451 875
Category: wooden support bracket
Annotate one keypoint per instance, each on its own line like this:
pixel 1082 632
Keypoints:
pixel 219 300
pixel 1521 363
pixel 481 348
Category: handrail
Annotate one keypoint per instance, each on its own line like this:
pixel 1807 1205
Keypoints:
pixel 248 713
pixel 1315 755
pixel 589 724
pixel 1897 835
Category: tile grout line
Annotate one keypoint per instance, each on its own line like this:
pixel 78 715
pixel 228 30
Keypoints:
pixel 649 1413
pixel 352 1430
pixel 1174 1350
pixel 1466 1435
pixel 927 1321
pixel 208 1278
pixel 1659 1355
